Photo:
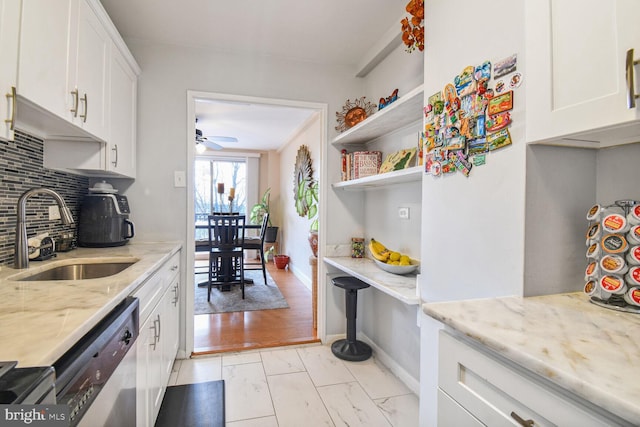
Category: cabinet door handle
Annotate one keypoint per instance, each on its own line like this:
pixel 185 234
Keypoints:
pixel 521 421
pixel 74 110
pixel 86 107
pixel 12 120
pixel 155 335
pixel 159 327
pixel 175 299
pixel 115 155
pixel 631 95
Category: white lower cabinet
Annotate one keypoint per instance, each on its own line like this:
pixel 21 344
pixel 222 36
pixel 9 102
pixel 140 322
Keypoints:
pixel 158 340
pixel 477 387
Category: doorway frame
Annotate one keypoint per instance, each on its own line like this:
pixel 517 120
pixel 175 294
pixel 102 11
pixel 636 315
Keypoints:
pixel 322 110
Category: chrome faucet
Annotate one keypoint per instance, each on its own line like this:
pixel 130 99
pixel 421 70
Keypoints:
pixel 21 257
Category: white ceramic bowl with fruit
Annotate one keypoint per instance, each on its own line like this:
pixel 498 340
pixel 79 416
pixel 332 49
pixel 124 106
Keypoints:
pixel 398 269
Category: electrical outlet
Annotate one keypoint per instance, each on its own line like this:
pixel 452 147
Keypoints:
pixel 54 212
pixel 179 179
pixel 403 213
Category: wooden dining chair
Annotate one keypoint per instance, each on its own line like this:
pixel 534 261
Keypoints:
pixel 257 243
pixel 226 251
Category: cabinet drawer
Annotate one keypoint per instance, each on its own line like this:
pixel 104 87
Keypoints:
pixel 152 290
pixel 450 413
pixel 492 389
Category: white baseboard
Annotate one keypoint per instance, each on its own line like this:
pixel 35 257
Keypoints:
pixel 306 280
pixel 384 359
pixel 397 370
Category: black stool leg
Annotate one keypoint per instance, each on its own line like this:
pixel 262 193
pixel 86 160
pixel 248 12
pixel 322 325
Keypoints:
pixel 351 349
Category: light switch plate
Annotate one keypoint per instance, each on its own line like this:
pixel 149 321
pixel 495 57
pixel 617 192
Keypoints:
pixel 179 179
pixel 403 213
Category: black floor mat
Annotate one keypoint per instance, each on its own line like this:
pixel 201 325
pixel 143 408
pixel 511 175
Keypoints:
pixel 193 405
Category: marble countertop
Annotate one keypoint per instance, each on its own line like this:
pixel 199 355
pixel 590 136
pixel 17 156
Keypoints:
pixel 591 351
pixel 401 287
pixel 41 320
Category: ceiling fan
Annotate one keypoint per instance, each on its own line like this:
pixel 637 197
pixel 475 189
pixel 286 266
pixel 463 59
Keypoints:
pixel 203 142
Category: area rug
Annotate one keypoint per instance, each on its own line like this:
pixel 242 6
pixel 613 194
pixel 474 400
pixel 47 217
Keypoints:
pixel 257 296
pixel 193 405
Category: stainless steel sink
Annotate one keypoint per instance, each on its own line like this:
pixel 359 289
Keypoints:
pixel 80 271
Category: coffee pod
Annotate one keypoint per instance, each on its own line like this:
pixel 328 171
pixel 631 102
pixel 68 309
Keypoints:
pixel 633 276
pixel 614 244
pixel 633 236
pixel 633 217
pixel 595 213
pixel 633 257
pixel 613 264
pixel 593 251
pixel 591 272
pixel 612 284
pixel 614 223
pixel 632 296
pixel 591 287
pixel 593 233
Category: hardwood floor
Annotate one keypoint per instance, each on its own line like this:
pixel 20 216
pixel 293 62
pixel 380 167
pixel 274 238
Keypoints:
pixel 222 332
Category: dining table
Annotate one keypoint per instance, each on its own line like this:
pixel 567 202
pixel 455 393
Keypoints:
pixel 203 246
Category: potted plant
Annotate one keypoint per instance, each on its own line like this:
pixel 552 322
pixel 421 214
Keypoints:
pixel 258 211
pixel 311 196
pixel 281 261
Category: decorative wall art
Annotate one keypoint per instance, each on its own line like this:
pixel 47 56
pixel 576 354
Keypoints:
pixel 469 118
pixel 302 179
pixel 412 28
pixel 353 113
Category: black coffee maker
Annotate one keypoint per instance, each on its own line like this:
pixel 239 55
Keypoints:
pixel 104 221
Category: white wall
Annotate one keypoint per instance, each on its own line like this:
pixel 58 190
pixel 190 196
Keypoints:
pixel 294 238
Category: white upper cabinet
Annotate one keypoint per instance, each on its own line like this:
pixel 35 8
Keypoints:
pixel 87 83
pixel 577 79
pixel 121 146
pixel 9 36
pixel 44 51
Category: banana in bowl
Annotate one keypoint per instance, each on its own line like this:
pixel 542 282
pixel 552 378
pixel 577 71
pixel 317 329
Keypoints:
pixel 398 269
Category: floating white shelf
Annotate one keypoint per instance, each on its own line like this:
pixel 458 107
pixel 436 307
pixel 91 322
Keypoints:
pixel 382 179
pixel 405 110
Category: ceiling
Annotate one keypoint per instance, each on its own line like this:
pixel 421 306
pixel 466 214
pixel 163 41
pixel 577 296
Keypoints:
pixel 331 32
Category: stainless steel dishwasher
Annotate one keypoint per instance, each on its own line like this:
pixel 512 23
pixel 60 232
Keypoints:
pixel 96 378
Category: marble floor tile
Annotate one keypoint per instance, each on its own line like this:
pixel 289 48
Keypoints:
pixel 246 392
pixel 281 361
pixel 349 406
pixel 323 367
pixel 376 380
pixel 199 370
pixel 401 411
pixel 297 402
pixel 255 422
pixel 238 358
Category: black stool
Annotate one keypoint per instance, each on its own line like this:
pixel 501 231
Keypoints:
pixel 351 349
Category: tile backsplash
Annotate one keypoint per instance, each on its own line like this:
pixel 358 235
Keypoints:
pixel 21 163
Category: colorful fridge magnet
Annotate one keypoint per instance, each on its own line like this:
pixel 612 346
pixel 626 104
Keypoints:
pixel 515 81
pixel 499 139
pixel 479 160
pixel 500 103
pixel 500 86
pixel 434 107
pixel 451 100
pixel 498 121
pixel 464 83
pixel 428 163
pixel 505 66
pixel 477 146
pixel 462 164
pixel 436 168
pixel 482 71
pixel 480 126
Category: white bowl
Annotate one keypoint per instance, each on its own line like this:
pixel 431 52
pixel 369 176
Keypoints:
pixel 398 269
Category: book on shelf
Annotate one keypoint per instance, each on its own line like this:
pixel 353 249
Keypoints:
pixel 360 164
